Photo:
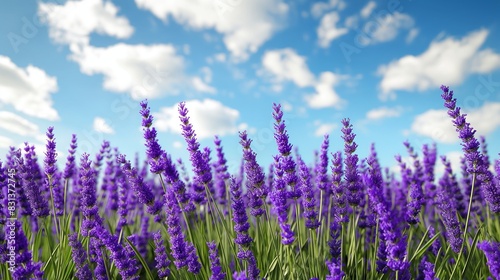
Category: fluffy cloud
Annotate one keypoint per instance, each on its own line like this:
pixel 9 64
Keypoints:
pixel 448 61
pixel 73 22
pixel 209 117
pixel 286 65
pixel 325 95
pixel 18 125
pixel 27 89
pixel 328 31
pixel 143 71
pixel 201 86
pixel 383 112
pixel 100 125
pixel 437 125
pixel 320 8
pixel 388 27
pixel 368 9
pixel 245 25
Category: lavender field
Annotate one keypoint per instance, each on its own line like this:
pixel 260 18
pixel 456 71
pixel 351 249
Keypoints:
pixel 116 216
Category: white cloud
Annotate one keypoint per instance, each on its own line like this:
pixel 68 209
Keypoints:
pixel 73 22
pixel 388 27
pixel 287 65
pixel 412 35
pixel 324 128
pixel 245 25
pixel 328 31
pixel 27 89
pixel 447 61
pixel 143 71
pixel 100 125
pixel 5 142
pixel 437 125
pixel 177 144
pixel 209 117
pixel 18 125
pixel 320 8
pixel 201 86
pixel 384 112
pixel 325 95
pixel 368 9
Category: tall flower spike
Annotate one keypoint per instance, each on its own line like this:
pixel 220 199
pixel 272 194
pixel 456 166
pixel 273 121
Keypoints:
pixel 240 217
pixel 285 148
pixel 79 256
pixel 416 192
pixel 449 214
pixel 215 267
pixel 279 199
pixel 88 204
pixel 322 166
pixel 31 184
pixel 201 168
pixel 221 174
pixel 153 148
pixel 178 244
pixel 352 179
pixel 161 257
pixel 308 200
pixel 339 195
pixel 470 146
pixel 492 251
pixel 255 177
pixel 172 176
pixel 141 189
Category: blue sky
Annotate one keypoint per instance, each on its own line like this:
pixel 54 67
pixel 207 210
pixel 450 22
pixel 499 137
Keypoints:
pixel 84 66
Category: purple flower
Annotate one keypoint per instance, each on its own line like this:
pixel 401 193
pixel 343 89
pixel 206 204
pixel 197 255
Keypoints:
pixel 285 148
pixel 279 199
pixel 492 252
pixel 178 244
pixel 201 167
pixel 161 257
pixel 88 204
pixel 352 179
pixel 395 242
pixel 415 185
pixel 321 168
pixel 470 146
pixel 255 177
pixel 339 196
pixel 308 200
pixel 240 217
pixel 215 267
pixel 447 208
pixel 221 174
pixel 127 267
pixel 31 184
pixel 25 267
pixel 140 188
pixel 79 256
pixel 178 185
pixel 50 155
pixel 335 270
pixel 153 148
pixel 426 270
pixel 70 168
pixel 193 262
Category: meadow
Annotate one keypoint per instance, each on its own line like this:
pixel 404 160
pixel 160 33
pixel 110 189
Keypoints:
pixel 116 216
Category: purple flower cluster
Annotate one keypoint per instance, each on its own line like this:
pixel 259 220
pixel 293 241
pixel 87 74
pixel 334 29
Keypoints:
pixel 352 180
pixel 215 267
pixel 492 252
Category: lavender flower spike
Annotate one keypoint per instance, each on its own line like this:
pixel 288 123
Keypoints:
pixel 161 257
pixel 255 177
pixel 201 168
pixel 215 267
pixel 352 178
pixel 88 204
pixel 470 146
pixel 308 200
pixel 79 256
pixel 153 148
pixel 492 252
pixel 34 193
pixel 240 217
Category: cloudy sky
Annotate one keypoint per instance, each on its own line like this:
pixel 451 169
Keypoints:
pixel 84 66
